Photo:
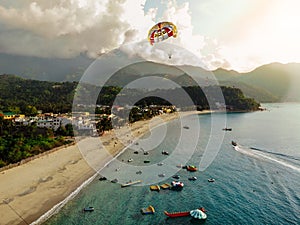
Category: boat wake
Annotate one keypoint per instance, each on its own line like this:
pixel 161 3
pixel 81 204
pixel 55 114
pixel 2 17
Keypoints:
pixel 262 154
pixel 277 154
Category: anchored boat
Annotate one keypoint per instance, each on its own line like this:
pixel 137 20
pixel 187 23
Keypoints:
pixel 131 183
pixel 191 168
pixel 177 214
pixel 149 210
pixel 155 188
pixel 177 185
pixel 196 213
pixel 88 209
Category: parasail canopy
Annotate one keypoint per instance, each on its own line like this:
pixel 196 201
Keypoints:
pixel 161 31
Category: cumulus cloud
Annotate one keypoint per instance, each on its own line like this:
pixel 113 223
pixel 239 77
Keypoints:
pixel 66 28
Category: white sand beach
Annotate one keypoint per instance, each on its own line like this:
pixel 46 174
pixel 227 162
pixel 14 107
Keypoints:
pixel 31 189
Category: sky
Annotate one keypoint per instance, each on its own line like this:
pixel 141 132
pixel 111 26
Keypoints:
pixel 235 35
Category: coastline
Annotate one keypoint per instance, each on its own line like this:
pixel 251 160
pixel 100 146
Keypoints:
pixel 59 175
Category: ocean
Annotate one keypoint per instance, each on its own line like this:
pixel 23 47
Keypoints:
pixel 257 182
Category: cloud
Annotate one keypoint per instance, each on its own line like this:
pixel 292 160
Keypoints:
pixel 66 28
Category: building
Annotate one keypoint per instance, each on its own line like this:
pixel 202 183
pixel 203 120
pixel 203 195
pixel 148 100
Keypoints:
pixel 53 122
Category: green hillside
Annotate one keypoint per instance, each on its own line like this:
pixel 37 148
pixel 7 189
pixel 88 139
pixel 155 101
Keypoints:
pixel 269 83
pixel 27 96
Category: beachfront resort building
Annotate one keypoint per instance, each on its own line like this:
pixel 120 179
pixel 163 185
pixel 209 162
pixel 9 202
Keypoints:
pixel 53 122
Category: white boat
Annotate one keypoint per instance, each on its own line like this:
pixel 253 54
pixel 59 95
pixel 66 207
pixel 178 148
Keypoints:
pixel 88 209
pixel 131 183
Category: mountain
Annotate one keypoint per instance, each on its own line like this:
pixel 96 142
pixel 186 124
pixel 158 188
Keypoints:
pixel 46 69
pixel 269 83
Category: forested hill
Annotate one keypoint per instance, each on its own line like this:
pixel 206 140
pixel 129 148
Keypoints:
pixel 27 96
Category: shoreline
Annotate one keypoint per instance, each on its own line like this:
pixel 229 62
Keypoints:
pixel 55 175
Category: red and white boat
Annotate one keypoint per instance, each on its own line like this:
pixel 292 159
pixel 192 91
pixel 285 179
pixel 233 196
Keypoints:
pixel 177 214
pixel 197 213
pixel 177 185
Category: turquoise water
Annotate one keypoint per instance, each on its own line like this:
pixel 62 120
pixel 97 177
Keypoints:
pixel 251 186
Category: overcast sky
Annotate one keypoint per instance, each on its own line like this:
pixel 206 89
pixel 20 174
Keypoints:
pixel 232 34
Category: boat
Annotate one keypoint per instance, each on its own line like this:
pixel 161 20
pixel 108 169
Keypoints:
pixel 139 172
pixel 146 161
pixel 211 180
pixel 146 153
pixel 227 129
pixel 165 186
pixel 102 178
pixel 155 188
pixel 161 175
pixel 160 164
pixel 191 168
pixel 130 160
pixel 88 209
pixel 149 210
pixel 177 214
pixel 192 178
pixel 177 185
pixel 176 176
pixel 197 213
pixel 136 152
pixel 233 143
pixel 165 153
pixel 115 180
pixel 186 127
pixel 129 183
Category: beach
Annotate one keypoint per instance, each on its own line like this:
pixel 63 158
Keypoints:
pixel 30 190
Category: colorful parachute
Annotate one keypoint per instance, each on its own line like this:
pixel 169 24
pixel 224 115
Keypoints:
pixel 161 31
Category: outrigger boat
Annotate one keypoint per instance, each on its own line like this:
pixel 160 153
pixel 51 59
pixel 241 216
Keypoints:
pixel 165 186
pixel 200 213
pixel 149 210
pixel 191 168
pixel 155 188
pixel 131 183
pixel 88 209
pixel 165 153
pixel 176 214
pixel 177 185
pixel 233 143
